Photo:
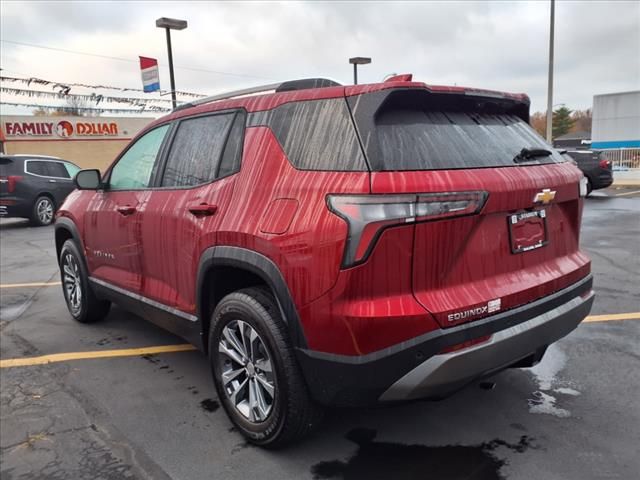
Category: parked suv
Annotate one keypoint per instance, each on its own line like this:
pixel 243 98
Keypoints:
pixel 336 245
pixel 33 186
pixel 595 167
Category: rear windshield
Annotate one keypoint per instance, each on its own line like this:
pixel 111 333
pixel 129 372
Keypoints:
pixel 435 140
pixel 418 130
pixel 7 166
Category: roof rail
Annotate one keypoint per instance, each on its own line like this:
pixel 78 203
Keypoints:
pixel 277 87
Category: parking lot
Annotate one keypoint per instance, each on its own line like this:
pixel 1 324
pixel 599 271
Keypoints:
pixel 103 409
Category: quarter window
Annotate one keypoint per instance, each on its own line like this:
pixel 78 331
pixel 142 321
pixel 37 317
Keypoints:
pixel 71 169
pixel 133 170
pixel 196 150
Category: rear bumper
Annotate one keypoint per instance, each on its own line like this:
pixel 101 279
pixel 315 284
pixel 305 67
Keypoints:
pixel 11 207
pixel 602 179
pixel 417 368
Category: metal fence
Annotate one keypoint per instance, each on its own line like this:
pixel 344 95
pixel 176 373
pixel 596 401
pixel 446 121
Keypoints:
pixel 623 158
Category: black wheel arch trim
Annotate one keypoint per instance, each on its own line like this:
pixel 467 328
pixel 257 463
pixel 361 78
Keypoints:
pixel 263 267
pixel 64 223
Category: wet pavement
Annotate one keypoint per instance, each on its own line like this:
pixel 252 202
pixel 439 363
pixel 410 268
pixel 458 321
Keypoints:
pixel 574 416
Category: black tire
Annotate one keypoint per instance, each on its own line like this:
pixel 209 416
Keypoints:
pixel 43 211
pixel 85 308
pixel 292 413
pixel 589 186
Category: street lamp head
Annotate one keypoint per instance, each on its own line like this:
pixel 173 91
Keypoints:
pixel 360 60
pixel 171 23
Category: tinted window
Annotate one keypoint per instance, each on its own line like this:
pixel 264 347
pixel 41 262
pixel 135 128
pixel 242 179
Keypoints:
pixel 7 167
pixel 38 167
pixel 133 170
pixel 196 150
pixel 424 140
pixel 71 169
pixel 316 135
pixel 57 169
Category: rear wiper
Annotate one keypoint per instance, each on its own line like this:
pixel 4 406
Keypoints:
pixel 529 153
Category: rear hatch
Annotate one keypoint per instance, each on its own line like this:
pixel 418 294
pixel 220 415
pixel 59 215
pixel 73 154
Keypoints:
pixel 515 236
pixel 9 176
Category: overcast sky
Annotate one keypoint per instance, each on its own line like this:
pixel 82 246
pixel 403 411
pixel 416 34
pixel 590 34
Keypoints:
pixel 498 45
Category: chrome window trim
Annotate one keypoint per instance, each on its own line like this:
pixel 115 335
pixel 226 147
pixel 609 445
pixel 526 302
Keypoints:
pixel 26 162
pixel 143 299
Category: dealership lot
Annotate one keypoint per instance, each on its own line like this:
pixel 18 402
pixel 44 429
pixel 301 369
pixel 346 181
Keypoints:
pixel 92 414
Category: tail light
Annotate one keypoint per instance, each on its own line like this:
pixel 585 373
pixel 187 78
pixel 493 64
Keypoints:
pixel 11 182
pixel 368 215
pixel 582 189
pixel 605 164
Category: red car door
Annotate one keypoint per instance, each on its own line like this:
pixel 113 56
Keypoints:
pixel 184 212
pixel 113 219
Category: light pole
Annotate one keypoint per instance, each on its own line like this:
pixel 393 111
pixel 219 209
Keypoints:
pixel 550 85
pixel 171 24
pixel 355 61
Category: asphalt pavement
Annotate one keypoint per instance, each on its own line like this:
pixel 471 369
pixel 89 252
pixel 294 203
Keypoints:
pixel 155 416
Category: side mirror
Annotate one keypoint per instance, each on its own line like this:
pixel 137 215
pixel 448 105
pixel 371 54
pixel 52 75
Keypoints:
pixel 87 179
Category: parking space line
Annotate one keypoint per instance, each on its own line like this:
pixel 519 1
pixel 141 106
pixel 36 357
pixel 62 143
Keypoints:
pixel 64 357
pixel 616 316
pixel 27 285
pixel 627 193
pixel 184 347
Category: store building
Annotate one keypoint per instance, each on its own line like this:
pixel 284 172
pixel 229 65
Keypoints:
pixel 616 127
pixel 90 142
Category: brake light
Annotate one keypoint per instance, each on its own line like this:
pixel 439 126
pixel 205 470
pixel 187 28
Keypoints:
pixel 11 181
pixel 605 164
pixel 368 215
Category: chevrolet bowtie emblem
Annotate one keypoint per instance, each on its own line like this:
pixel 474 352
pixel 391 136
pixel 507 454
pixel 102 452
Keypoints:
pixel 545 196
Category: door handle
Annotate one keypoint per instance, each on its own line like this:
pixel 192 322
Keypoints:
pixel 203 209
pixel 126 210
pixel 52 181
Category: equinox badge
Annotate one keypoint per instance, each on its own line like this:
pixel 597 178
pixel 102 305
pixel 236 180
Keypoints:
pixel 545 196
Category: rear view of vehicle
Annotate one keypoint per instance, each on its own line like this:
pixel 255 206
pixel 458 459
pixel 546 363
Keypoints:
pixel 464 259
pixel 11 174
pixel 595 166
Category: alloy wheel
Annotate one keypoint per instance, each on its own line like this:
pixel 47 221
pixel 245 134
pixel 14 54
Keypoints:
pixel 246 371
pixel 72 283
pixel 44 210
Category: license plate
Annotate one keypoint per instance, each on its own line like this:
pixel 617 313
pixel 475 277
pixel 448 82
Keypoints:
pixel 527 230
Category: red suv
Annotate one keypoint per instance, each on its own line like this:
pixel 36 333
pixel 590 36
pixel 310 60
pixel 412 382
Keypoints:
pixel 336 245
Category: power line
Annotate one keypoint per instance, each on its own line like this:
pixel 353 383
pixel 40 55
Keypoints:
pixel 148 109
pixel 62 95
pixel 28 81
pixel 121 59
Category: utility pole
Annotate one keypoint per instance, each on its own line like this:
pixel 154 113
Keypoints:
pixel 550 85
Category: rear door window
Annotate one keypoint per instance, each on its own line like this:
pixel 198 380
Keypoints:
pixel 196 150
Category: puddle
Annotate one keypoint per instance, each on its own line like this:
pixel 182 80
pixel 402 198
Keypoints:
pixel 384 460
pixel 545 403
pixel 210 405
pixel 546 374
